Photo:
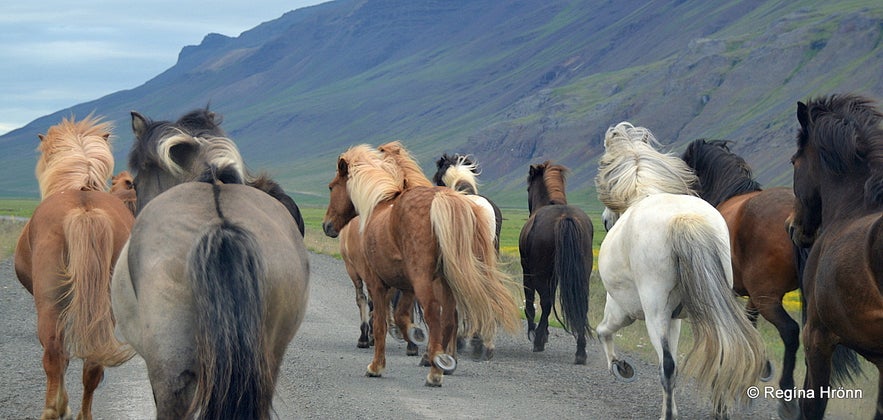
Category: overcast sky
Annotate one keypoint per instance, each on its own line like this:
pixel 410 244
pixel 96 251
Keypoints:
pixel 55 54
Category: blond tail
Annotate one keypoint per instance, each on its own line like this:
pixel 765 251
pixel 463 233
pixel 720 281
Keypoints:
pixel 87 318
pixel 469 264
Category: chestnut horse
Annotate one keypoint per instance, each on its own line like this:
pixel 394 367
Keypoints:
pixel 763 254
pixel 356 264
pixel 838 181
pixel 122 185
pixel 429 240
pixel 65 256
pixel 556 257
pixel 213 283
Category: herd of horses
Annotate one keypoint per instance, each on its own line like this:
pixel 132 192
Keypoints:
pixel 199 266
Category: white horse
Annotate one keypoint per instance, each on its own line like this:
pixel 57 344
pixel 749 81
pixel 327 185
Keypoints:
pixel 667 257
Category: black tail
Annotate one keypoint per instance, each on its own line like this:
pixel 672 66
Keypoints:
pixel 226 271
pixel 571 276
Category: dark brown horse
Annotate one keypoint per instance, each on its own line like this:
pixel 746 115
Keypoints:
pixel 213 283
pixel 762 253
pixel 838 181
pixel 429 240
pixel 556 258
pixel 65 256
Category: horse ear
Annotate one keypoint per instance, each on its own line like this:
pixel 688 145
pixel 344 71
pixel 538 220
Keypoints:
pixel 802 114
pixel 139 124
pixel 106 136
pixel 41 137
pixel 342 167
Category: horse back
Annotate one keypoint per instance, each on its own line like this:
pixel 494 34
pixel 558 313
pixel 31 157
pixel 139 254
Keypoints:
pixel 537 241
pixel 763 255
pixel 42 240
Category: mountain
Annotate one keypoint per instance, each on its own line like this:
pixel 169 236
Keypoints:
pixel 512 83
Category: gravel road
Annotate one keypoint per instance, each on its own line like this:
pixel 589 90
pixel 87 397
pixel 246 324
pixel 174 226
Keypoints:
pixel 323 373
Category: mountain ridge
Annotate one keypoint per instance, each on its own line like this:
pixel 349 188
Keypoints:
pixel 512 83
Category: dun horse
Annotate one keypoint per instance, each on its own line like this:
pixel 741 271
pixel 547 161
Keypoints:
pixel 838 181
pixel 556 257
pixel 213 283
pixel 65 256
pixel 429 240
pixel 763 254
pixel 666 258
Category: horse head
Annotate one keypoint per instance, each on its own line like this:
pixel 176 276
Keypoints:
pixel 458 172
pixel 545 185
pixel 193 148
pixel 340 207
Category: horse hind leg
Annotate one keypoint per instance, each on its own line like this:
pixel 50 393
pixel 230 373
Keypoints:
pixel 365 316
pixel 614 320
pixel 542 331
pixel 664 333
pixel 93 373
pixel 55 363
pixel 789 331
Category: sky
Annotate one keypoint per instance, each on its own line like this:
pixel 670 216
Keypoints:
pixel 55 54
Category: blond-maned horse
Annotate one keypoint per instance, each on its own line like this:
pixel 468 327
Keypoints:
pixel 65 256
pixel 431 240
pixel 667 257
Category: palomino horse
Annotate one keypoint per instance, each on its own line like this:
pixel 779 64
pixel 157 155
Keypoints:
pixel 213 283
pixel 763 254
pixel 429 240
pixel 65 256
pixel 122 185
pixel 556 257
pixel 666 258
pixel 838 181
pixel 356 264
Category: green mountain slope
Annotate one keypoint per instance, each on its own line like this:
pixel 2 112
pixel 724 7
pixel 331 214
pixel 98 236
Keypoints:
pixel 513 83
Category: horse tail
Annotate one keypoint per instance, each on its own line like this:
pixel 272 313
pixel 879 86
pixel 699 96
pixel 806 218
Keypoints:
pixel 226 272
pixel 571 276
pixel 469 265
pixel 87 317
pixel 728 354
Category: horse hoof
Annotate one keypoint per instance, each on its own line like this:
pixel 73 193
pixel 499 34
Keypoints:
pixel 433 381
pixel 580 359
pixel 395 333
pixel 788 410
pixel 417 335
pixel 424 361
pixel 537 348
pixel 445 362
pixel 411 350
pixel 363 345
pixel 769 371
pixel 623 371
pixel 488 353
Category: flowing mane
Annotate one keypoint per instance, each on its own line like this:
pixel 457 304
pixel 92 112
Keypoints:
pixel 722 174
pixel 632 169
pixel 413 175
pixel 847 131
pixel 372 179
pixel 75 155
pixel 553 182
pixel 459 173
